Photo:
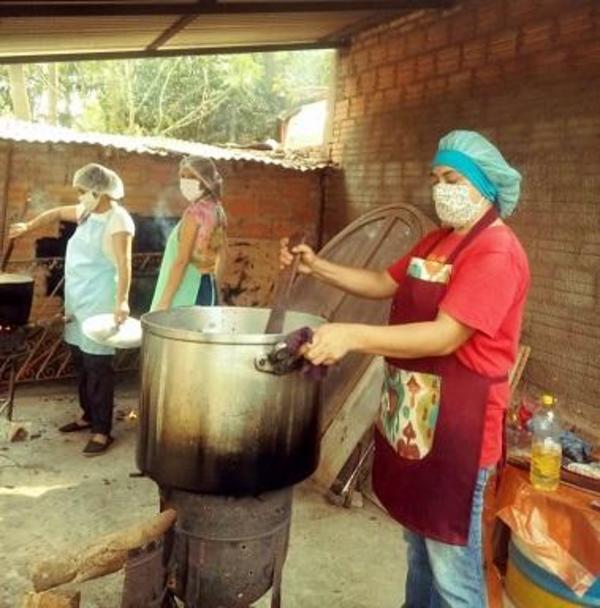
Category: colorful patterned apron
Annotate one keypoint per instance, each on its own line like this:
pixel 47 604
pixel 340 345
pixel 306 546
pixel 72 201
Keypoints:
pixel 430 428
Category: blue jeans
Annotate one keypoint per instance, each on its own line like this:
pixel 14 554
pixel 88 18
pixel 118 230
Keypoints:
pixel 448 576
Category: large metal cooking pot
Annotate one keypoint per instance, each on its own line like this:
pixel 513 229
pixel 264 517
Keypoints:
pixel 209 421
pixel 16 295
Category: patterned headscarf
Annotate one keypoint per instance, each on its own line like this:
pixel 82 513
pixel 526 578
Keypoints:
pixel 207 211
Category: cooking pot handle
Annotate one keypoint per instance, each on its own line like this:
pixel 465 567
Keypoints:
pixel 278 361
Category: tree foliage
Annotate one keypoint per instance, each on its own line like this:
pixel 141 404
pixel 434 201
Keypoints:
pixel 214 99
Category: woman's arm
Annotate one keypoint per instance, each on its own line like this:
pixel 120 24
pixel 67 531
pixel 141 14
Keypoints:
pixel 122 248
pixel 187 237
pixel 437 338
pixel 66 213
pixel 373 284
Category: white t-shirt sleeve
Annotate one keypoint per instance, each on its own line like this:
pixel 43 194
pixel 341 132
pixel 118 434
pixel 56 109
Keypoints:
pixel 120 221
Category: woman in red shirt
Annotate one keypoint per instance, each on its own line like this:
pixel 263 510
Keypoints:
pixel 453 333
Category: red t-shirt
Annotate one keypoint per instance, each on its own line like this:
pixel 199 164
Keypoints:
pixel 487 292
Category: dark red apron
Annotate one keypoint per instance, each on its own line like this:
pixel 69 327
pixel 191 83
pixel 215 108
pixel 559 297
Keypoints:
pixel 430 430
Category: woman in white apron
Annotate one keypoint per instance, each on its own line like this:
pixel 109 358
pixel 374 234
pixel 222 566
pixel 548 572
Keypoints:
pixel 194 256
pixel 97 280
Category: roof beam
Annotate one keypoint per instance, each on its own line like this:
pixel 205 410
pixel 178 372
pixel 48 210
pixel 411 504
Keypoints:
pixel 343 36
pixel 155 53
pixel 208 7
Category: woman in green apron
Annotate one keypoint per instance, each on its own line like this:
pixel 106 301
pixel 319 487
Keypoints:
pixel 194 256
pixel 97 281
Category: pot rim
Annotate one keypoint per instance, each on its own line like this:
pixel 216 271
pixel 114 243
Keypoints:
pixel 14 278
pixel 188 335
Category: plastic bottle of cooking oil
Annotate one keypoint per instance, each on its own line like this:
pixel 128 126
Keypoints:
pixel 546 451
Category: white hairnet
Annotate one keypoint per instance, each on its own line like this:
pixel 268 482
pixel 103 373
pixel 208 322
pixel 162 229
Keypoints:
pixel 99 179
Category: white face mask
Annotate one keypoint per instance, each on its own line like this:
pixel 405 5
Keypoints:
pixel 89 201
pixel 454 206
pixel 191 189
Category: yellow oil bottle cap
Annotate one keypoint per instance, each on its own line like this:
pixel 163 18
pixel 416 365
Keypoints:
pixel 547 400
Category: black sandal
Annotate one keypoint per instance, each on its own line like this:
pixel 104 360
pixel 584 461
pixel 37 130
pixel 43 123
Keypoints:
pixel 95 448
pixel 74 427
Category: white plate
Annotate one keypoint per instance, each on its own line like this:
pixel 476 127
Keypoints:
pixel 103 330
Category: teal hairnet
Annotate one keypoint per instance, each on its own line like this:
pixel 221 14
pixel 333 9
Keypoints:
pixel 99 179
pixel 477 159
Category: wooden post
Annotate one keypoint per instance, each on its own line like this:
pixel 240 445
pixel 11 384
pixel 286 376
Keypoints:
pixel 52 599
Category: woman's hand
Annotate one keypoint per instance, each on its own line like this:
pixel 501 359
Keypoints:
pixel 331 342
pixel 17 230
pixel 163 304
pixel 308 257
pixel 121 312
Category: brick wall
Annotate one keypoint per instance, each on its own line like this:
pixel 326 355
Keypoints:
pixel 527 75
pixel 263 202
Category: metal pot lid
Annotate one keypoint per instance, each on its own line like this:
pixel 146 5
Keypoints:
pixel 375 241
pixel 7 278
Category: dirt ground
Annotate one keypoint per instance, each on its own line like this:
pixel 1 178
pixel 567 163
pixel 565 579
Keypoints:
pixel 52 499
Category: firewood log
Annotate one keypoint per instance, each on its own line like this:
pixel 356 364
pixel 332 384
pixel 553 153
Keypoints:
pixel 104 557
pixel 52 599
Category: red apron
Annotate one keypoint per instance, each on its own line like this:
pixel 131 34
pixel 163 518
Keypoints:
pixel 430 428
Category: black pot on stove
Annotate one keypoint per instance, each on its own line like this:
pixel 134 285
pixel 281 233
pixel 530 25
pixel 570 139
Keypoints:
pixel 16 296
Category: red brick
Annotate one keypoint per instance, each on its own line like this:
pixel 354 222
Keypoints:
pixel 537 37
pixel 341 109
pixel 490 17
pixel 503 45
pixel 436 87
pixel 516 68
pixel 460 82
pixel 415 42
pixel 474 54
pixel 437 35
pixel 357 106
pixel 575 27
pixel 518 11
pixel 448 60
pixel 425 67
pixel 360 60
pixel 414 92
pixel 489 75
pixel 367 81
pixel 586 55
pixel 396 49
pixel 405 71
pixel 378 55
pixel 548 63
pixel 351 87
pixel 463 26
pixel 386 77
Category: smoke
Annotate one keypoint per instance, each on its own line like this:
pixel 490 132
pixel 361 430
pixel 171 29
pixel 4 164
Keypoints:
pixel 166 213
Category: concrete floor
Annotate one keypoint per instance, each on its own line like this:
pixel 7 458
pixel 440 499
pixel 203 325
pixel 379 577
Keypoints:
pixel 53 499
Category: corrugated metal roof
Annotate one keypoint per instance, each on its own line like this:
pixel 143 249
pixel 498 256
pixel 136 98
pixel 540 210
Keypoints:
pixel 20 131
